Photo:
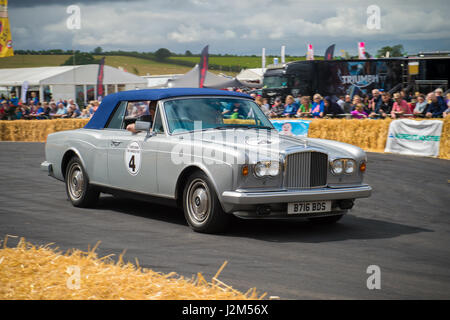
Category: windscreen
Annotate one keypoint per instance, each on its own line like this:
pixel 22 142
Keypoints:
pixel 213 113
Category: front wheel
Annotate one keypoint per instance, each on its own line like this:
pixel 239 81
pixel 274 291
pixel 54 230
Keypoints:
pixel 201 205
pixel 78 189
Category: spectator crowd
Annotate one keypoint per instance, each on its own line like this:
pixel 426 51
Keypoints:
pixel 377 105
pixel 15 109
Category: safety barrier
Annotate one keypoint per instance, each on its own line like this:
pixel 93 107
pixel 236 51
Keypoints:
pixel 371 135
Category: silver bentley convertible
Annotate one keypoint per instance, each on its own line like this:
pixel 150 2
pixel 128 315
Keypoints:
pixel 211 152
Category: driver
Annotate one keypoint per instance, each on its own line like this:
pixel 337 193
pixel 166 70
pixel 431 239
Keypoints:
pixel 143 111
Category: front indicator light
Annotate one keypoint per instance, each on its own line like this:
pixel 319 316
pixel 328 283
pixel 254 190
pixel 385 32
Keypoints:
pixel 362 167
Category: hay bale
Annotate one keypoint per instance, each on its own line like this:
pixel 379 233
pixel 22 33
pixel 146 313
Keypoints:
pixel 31 272
pixel 36 130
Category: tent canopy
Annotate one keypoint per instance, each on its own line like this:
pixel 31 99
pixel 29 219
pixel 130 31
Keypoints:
pixel 254 74
pixel 74 75
pixel 190 80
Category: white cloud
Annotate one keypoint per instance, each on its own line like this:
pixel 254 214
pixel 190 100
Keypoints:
pixel 233 26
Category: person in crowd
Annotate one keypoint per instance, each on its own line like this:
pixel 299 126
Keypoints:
pixel 72 112
pixel 356 100
pixel 318 108
pixel 439 94
pixel 14 100
pixel 366 101
pixel 53 109
pixel 3 109
pixel 72 102
pixel 374 103
pixel 435 107
pixel 305 107
pixel 34 99
pixel 421 104
pixel 341 102
pixel 405 95
pixel 347 106
pixel 84 114
pixel 359 112
pixel 43 111
pixel 400 107
pixel 291 107
pixel 94 108
pixel 277 109
pixel 61 111
pixel 19 113
pixel 382 109
pixel 265 106
pixel 331 108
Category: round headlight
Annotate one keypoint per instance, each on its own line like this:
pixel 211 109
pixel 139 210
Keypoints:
pixel 337 166
pixel 350 166
pixel 261 169
pixel 274 168
pixel 267 168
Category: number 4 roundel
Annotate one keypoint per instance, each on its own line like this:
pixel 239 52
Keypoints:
pixel 133 158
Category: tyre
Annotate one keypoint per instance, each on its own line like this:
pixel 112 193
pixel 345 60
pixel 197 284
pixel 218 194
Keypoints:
pixel 201 205
pixel 326 220
pixel 78 189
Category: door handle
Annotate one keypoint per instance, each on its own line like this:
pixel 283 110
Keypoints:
pixel 115 143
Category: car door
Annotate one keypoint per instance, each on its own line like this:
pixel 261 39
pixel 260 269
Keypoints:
pixel 131 156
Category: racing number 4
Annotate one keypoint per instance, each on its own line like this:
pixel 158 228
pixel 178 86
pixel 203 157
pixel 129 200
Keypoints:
pixel 131 164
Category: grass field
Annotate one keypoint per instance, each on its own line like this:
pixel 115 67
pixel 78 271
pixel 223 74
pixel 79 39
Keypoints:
pixel 134 65
pixel 243 61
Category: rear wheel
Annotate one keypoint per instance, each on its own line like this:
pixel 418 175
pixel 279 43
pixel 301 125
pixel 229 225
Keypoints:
pixel 201 205
pixel 326 220
pixel 78 189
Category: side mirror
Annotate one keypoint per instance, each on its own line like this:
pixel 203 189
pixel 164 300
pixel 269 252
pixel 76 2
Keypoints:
pixel 142 125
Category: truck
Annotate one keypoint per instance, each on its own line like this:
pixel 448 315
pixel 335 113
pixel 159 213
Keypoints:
pixel 336 78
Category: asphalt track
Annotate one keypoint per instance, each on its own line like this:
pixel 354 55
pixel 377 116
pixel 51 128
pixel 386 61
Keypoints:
pixel 404 228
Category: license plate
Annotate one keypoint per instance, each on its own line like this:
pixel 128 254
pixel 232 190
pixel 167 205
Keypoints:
pixel 309 207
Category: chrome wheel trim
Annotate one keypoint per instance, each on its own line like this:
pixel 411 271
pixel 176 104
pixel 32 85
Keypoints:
pixel 198 201
pixel 75 181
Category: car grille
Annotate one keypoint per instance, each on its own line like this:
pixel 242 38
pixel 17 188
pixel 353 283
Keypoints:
pixel 306 170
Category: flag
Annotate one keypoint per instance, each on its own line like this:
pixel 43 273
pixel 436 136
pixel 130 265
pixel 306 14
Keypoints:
pixel 283 54
pixel 329 53
pixel 6 49
pixel 310 52
pixel 203 66
pixel 361 50
pixel 100 77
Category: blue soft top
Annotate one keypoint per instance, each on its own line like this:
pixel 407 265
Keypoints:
pixel 101 116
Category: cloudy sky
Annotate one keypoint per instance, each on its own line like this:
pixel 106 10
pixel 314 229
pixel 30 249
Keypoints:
pixel 231 26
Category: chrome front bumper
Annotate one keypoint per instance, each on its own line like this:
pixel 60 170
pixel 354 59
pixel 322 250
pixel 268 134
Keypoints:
pixel 252 198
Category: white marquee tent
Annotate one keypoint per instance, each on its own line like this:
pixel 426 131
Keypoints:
pixel 68 82
pixel 254 74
